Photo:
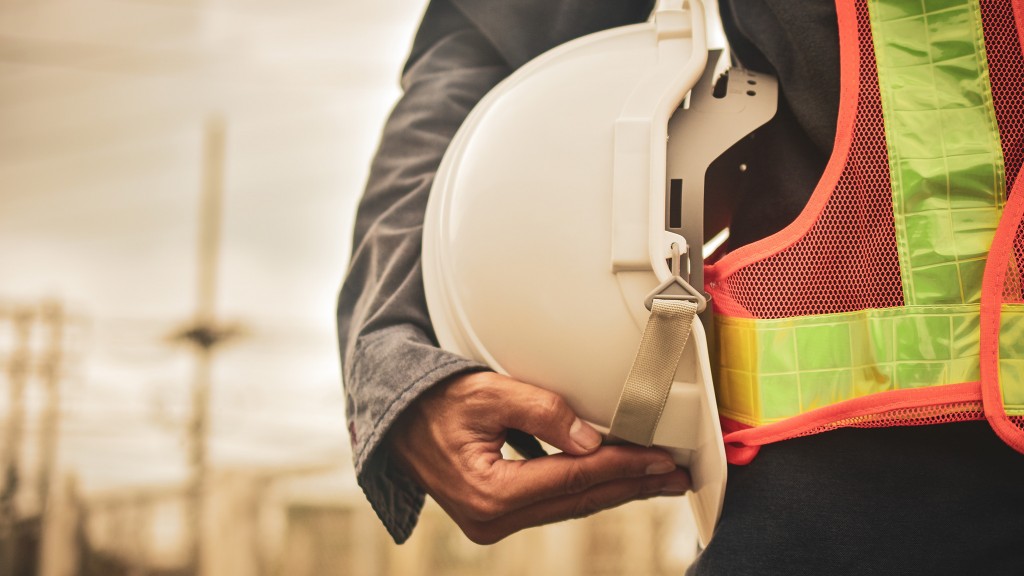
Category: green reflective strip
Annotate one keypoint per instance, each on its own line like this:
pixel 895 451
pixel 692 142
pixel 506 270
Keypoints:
pixel 945 155
pixel 770 370
pixel 1011 359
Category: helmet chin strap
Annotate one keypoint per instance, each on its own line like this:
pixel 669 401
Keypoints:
pixel 650 377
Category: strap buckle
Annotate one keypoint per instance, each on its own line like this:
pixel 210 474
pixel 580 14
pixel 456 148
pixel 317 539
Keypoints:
pixel 677 283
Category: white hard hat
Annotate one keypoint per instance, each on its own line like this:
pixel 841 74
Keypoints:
pixel 547 227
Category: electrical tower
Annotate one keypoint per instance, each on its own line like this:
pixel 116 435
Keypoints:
pixel 204 333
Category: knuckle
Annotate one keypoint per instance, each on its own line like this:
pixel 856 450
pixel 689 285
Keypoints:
pixel 586 506
pixel 577 478
pixel 480 396
pixel 549 406
pixel 476 389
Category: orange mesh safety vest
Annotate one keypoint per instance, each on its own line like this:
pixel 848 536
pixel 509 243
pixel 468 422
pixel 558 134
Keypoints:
pixel 895 298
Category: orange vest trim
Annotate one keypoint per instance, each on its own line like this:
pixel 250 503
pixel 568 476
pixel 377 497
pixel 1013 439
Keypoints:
pixel 859 313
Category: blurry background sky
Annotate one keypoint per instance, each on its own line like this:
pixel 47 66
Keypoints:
pixel 102 112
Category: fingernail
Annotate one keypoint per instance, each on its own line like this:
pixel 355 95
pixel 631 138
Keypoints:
pixel 584 436
pixel 660 467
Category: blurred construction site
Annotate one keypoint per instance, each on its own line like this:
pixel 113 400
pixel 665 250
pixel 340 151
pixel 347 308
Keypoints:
pixel 178 180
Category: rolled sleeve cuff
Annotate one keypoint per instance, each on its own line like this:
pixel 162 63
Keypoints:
pixel 392 355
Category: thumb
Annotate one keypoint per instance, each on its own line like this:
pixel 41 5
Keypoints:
pixel 547 416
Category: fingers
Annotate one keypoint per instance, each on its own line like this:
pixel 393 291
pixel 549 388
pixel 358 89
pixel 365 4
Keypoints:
pixel 593 500
pixel 450 442
pixel 527 482
pixel 518 494
pixel 545 415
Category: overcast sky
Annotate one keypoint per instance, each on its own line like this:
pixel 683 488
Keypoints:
pixel 102 108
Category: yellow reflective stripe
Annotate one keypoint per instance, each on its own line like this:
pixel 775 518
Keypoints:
pixel 773 369
pixel 945 155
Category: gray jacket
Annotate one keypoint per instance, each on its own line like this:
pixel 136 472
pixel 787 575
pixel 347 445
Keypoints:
pixel 388 349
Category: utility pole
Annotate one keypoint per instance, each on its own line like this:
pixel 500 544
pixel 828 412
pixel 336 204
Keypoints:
pixel 50 368
pixel 53 319
pixel 17 377
pixel 204 333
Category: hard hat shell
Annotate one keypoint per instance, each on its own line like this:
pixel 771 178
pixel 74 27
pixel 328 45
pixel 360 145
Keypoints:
pixel 545 231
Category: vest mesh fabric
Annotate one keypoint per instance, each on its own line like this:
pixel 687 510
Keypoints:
pixel 848 259
pixel 1006 69
pixel 1006 72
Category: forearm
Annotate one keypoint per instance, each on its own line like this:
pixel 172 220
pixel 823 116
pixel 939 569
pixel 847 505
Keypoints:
pixel 389 355
pixel 389 352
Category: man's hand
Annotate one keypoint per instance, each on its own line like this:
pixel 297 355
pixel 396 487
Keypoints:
pixel 450 440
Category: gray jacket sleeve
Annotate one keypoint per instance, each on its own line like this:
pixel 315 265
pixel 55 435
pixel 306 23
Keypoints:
pixel 388 348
